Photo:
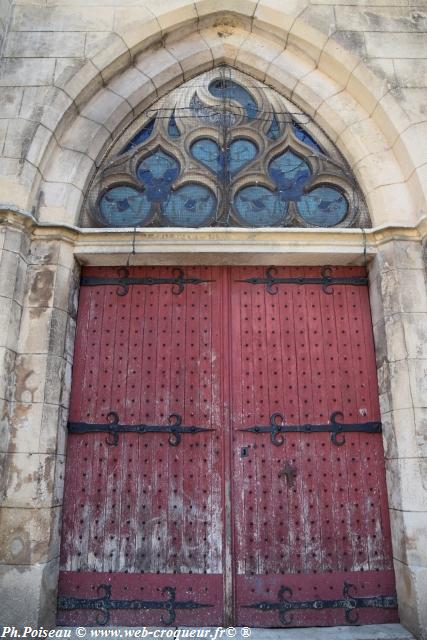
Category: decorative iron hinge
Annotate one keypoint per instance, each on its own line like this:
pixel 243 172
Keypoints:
pixel 325 279
pixel 104 604
pixel 277 425
pixel 113 428
pixel 124 280
pixel 349 603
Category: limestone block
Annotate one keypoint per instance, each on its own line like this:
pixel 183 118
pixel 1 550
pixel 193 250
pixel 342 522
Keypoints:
pixel 7 373
pixel 241 7
pixel 21 72
pixel 40 147
pixel 391 204
pixel 381 19
pixel 107 109
pixel 70 340
pixel 353 41
pixel 255 55
pixel 394 382
pixel 10 317
pixel 60 203
pixel 66 18
pixel 411 584
pixel 29 535
pixel 337 112
pixel 9 264
pixel 34 585
pixel 399 434
pixel 43 252
pixel 410 74
pixel 366 87
pixel 378 169
pixel 53 431
pixel 17 178
pixel 30 372
pixel 25 423
pixel 6 410
pixel 30 479
pixel 41 281
pixel 71 167
pixel 175 12
pixel 410 140
pixel 58 381
pixel 161 67
pixel 137 27
pixel 224 42
pixel 63 288
pixel 81 84
pixel 66 69
pixel 50 106
pixel 193 54
pixel 285 71
pixel 320 17
pixel 19 137
pixel 313 89
pixel 10 101
pixel 66 257
pixel 273 18
pixel 396 45
pixel 113 59
pixel 407 483
pixel 337 62
pixel 415 334
pixel 307 40
pixel 86 136
pixel 420 415
pixel 413 102
pixel 135 87
pixel 418 381
pixel 44 44
pixel 409 536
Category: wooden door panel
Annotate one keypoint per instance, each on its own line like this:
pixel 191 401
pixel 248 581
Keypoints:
pixel 230 526
pixel 145 507
pixel 306 354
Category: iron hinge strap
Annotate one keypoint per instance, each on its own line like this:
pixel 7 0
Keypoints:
pixel 349 603
pixel 113 428
pixel 325 279
pixel 124 281
pixel 277 426
pixel 104 604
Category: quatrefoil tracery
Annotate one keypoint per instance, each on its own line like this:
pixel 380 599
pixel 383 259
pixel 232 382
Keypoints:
pixel 217 153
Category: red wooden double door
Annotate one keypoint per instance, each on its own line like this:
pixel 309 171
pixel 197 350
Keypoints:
pixel 174 512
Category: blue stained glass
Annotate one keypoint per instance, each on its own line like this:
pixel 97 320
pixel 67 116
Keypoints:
pixel 274 131
pixel 212 115
pixel 208 152
pixel 173 130
pixel 124 207
pixel 191 206
pixel 302 135
pixel 225 88
pixel 241 152
pixel 157 172
pixel 259 207
pixel 142 135
pixel 290 173
pixel 323 206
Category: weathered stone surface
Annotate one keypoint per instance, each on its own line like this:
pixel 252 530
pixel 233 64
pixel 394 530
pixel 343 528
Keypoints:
pixel 29 536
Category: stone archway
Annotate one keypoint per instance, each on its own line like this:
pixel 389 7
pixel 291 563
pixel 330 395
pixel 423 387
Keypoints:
pixel 91 107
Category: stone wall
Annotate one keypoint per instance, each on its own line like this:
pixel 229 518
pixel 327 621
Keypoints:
pixel 73 74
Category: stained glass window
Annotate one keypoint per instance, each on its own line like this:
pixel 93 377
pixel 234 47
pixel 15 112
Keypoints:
pixel 224 150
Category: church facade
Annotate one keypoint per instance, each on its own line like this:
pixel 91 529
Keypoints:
pixel 214 313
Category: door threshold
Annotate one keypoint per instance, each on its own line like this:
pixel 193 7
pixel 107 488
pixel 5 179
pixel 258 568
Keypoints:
pixel 364 632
